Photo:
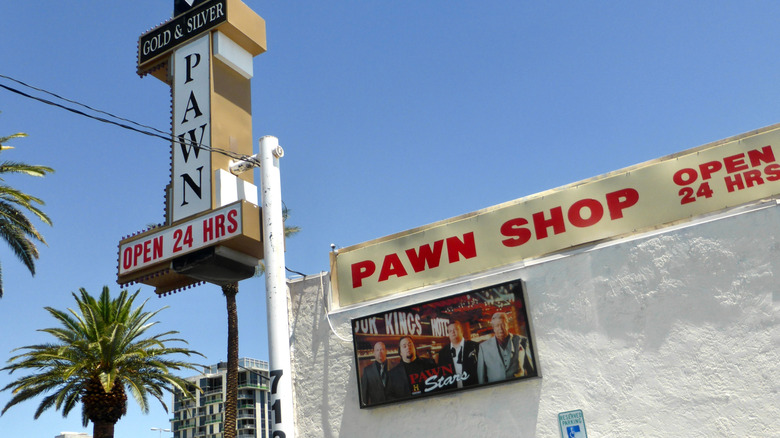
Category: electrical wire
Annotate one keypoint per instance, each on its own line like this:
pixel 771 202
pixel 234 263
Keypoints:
pixel 151 131
pixel 83 105
pixel 295 272
pixel 81 113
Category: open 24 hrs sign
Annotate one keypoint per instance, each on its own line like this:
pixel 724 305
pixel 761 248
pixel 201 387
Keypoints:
pixel 729 174
pixel 226 225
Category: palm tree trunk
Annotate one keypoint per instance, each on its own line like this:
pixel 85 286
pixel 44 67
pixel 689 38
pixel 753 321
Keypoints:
pixel 102 429
pixel 231 392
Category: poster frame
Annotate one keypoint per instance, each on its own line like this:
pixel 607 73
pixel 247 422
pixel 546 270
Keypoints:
pixel 426 324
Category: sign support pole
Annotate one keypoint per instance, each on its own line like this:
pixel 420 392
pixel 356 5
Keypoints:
pixel 276 290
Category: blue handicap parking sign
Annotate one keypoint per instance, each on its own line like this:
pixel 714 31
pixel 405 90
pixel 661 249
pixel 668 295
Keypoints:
pixel 572 424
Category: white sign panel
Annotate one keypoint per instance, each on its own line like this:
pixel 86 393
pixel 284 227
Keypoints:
pixel 186 237
pixel 572 424
pixel 191 173
pixel 700 181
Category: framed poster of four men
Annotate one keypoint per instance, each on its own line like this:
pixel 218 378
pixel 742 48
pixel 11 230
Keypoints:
pixel 464 341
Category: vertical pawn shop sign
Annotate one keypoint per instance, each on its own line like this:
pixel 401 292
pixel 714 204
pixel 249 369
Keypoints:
pixel 212 222
pixel 212 229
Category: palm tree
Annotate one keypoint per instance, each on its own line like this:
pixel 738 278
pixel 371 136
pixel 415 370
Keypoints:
pixel 231 376
pixel 15 228
pixel 101 350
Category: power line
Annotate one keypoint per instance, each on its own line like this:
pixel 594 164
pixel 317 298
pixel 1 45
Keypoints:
pixel 81 104
pixel 81 113
pixel 153 132
pixel 150 131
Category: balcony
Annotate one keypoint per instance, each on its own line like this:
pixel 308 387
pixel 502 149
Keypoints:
pixel 181 406
pixel 210 391
pixel 216 400
pixel 183 425
pixel 246 427
pixel 213 420
pixel 253 386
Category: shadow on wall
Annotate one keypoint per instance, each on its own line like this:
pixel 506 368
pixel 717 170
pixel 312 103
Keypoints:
pixel 323 369
pixel 479 412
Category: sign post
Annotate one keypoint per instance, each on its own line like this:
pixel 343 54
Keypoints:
pixel 276 289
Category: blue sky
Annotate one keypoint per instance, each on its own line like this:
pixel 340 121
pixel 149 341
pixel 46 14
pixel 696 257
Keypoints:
pixel 393 114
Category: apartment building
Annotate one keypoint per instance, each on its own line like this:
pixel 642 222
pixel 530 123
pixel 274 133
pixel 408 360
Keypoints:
pixel 203 416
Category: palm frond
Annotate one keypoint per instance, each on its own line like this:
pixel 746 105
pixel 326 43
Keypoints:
pixel 15 228
pixel 103 341
pixel 5 139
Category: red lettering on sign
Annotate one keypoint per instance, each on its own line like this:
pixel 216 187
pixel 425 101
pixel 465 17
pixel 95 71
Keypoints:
pixel 773 172
pixel 142 252
pixel 392 266
pixel 138 249
pixel 686 176
pixel 147 251
pixel 707 169
pixel 753 178
pixel 466 247
pixel 733 164
pixel 621 200
pixel 219 225
pixel 616 201
pixel 361 271
pixel 232 222
pixel 157 250
pixel 425 257
pixel 596 212
pixel 765 155
pixel 127 258
pixel 514 228
pixel 182 238
pixel 734 182
pixel 208 229
pixel 541 223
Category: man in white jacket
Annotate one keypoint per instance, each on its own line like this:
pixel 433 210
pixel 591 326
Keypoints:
pixel 505 355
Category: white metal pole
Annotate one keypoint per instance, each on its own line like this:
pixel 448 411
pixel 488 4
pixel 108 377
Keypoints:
pixel 276 290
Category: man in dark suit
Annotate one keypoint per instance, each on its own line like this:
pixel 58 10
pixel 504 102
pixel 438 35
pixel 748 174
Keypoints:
pixel 461 356
pixel 505 355
pixel 374 380
pixel 406 378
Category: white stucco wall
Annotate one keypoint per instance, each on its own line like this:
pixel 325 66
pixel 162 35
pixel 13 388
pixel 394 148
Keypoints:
pixel 673 334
